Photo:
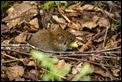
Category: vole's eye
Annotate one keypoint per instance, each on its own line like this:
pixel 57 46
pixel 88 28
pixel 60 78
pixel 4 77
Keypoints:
pixel 71 38
pixel 65 43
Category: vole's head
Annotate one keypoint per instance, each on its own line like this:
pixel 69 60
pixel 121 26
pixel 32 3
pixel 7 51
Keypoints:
pixel 62 38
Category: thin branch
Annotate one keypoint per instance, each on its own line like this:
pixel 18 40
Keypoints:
pixel 65 52
pixel 17 17
pixel 77 52
pixel 87 61
pixel 15 51
pixel 75 55
pixel 14 58
pixel 105 37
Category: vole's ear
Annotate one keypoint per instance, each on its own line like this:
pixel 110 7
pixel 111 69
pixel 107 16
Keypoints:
pixel 57 29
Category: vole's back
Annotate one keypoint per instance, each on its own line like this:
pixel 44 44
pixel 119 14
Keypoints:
pixel 42 40
pixel 52 40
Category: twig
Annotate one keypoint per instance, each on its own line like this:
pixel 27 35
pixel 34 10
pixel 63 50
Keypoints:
pixel 15 51
pixel 105 37
pixel 77 52
pixel 12 57
pixel 74 55
pixel 8 61
pixel 87 61
pixel 62 52
pixel 38 15
pixel 21 15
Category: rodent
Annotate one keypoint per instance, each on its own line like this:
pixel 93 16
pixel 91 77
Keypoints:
pixel 56 39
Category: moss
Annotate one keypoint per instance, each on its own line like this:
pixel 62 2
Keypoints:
pixel 4 6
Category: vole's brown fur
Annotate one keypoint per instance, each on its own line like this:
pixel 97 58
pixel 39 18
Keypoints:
pixel 55 39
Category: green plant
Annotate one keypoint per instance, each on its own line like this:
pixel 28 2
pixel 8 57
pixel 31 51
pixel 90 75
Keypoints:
pixel 55 70
pixel 4 6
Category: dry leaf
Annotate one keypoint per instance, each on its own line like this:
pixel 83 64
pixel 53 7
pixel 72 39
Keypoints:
pixel 34 23
pixel 31 63
pixel 102 72
pixel 6 41
pixel 70 11
pixel 103 22
pixel 14 72
pixel 89 24
pixel 85 47
pixel 115 72
pixel 57 19
pixel 4 28
pixel 18 10
pixel 73 6
pixel 75 26
pixel 32 74
pixel 61 63
pixel 91 7
pixel 108 45
pixel 95 58
pixel 95 18
pixel 77 68
pixel 21 37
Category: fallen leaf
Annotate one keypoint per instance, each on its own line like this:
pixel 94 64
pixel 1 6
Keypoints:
pixel 61 63
pixel 57 19
pixel 31 63
pixel 70 11
pixel 20 38
pixel 19 10
pixel 77 68
pixel 14 72
pixel 103 22
pixel 85 47
pixel 34 24
pixel 102 72
pixel 76 26
pixel 91 7
pixel 108 45
pixel 89 24
pixel 32 74
pixel 115 71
